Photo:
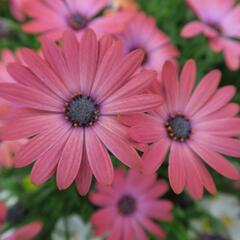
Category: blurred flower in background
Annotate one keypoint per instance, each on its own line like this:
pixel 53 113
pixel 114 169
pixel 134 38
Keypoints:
pixel 226 209
pixel 17 8
pixel 118 5
pixel 73 228
pixel 51 18
pixel 130 206
pixel 220 23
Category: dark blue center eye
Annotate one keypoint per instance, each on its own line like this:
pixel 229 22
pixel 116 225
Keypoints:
pixel 77 21
pixel 178 128
pixel 127 205
pixel 82 111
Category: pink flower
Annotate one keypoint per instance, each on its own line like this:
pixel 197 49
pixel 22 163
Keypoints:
pixel 130 206
pixel 52 18
pixel 71 101
pixel 27 232
pixel 17 8
pixel 193 125
pixel 143 33
pixel 220 23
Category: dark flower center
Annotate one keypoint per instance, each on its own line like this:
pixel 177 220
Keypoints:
pixel 178 128
pixel 127 205
pixel 82 111
pixel 77 21
pixel 145 58
pixel 215 26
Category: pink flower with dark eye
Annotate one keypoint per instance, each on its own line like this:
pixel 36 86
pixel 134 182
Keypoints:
pixel 50 18
pixel 143 33
pixel 192 125
pixel 220 23
pixel 130 206
pixel 70 103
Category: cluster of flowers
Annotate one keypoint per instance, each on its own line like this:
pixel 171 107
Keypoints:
pixel 110 85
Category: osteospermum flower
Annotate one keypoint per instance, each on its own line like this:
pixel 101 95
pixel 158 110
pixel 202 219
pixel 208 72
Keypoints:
pixel 130 206
pixel 143 33
pixel 71 101
pixel 220 23
pixel 192 125
pixel 52 18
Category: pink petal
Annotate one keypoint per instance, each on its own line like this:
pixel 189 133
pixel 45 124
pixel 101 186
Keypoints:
pixel 84 177
pixel 158 189
pixel 103 220
pixel 137 103
pixel 154 158
pixel 117 230
pixel 70 160
pixel 105 43
pixel 194 182
pixel 39 145
pixel 98 157
pixel 27 127
pixel 224 145
pixel 25 76
pixel 138 230
pixel 108 61
pixel 101 199
pixel 147 133
pixel 46 164
pixel 187 82
pixel 29 97
pixel 70 49
pixel 127 229
pixel 219 100
pixel 194 28
pixel 158 210
pixel 88 54
pixel 204 91
pixel 220 127
pixel 137 84
pixel 216 161
pixel 176 170
pixel 207 179
pixel 56 60
pixel 119 74
pixel 42 70
pixel 171 85
pixel 118 146
pixel 151 227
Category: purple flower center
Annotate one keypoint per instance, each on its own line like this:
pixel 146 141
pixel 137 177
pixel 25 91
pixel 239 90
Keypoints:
pixel 215 26
pixel 145 58
pixel 127 205
pixel 77 21
pixel 82 111
pixel 178 128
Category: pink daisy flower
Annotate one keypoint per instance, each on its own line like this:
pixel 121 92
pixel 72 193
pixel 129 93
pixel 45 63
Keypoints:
pixel 220 23
pixel 130 206
pixel 143 33
pixel 192 125
pixel 17 8
pixel 71 100
pixel 51 18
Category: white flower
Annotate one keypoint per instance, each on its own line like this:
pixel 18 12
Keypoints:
pixel 74 228
pixel 225 208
